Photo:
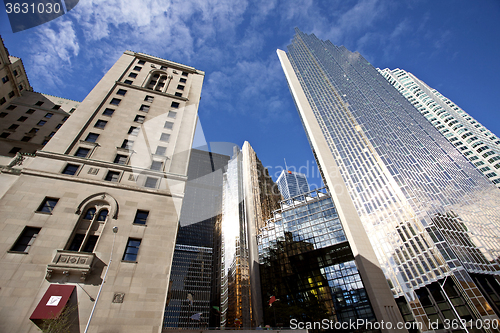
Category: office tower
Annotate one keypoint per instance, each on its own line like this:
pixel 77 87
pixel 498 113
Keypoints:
pixel 308 265
pixel 291 184
pixel 471 138
pixel 120 160
pixel 430 216
pixel 248 200
pixel 194 273
pixel 28 119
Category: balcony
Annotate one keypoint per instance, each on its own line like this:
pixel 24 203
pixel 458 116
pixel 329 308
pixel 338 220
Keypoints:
pixel 71 263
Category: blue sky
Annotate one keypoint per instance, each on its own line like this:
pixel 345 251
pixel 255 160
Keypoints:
pixel 452 45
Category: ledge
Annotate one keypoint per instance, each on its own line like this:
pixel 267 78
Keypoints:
pixel 71 262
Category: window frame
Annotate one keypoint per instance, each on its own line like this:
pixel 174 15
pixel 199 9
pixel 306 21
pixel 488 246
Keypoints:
pixel 45 208
pixel 128 247
pixel 23 235
pixel 139 220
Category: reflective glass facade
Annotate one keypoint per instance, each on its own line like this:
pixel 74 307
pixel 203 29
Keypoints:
pixel 471 138
pixel 307 263
pixel 291 184
pixel 429 213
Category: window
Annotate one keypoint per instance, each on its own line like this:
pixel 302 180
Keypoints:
pixel 44 142
pixel 58 126
pixel 127 144
pixel 175 105
pixel 21 119
pixel 15 150
pixel 172 114
pixel 108 112
pixel 3 114
pixel 11 107
pixel 164 137
pixel 34 130
pixel 127 82
pixel 141 62
pixel 86 237
pixel 51 134
pixel 56 107
pixel 92 137
pixel 30 111
pixel 48 205
pixel 178 94
pixel 180 87
pixel 15 72
pixel 161 150
pixel 41 122
pixel 100 123
pixel 26 138
pixel 149 98
pixel 141 217
pixel 144 108
pixel 132 249
pixel 11 94
pixel 137 68
pixel 115 101
pixel 112 176
pixel 26 239
pixel 134 130
pixel 39 103
pixel 164 68
pixel 5 79
pixel 132 75
pixel 4 135
pixel 151 182
pixel 2 101
pixel 89 215
pixel 13 127
pixel 70 169
pixel 121 159
pixel 82 152
pixel 156 165
pixel 65 118
pixel 184 74
pixel 168 125
pixel 139 119
pixel 121 92
pixel 182 80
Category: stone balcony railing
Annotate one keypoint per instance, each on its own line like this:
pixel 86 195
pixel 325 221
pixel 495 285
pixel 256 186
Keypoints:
pixel 71 262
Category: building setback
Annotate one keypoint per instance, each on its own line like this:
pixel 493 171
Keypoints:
pixel 120 160
pixel 472 139
pixel 422 222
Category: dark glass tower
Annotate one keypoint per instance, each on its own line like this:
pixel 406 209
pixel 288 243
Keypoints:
pixel 430 217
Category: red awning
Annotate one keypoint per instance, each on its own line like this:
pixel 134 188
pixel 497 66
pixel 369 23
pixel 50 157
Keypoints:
pixel 53 302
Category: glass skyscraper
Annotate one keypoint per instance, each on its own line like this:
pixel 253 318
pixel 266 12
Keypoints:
pixel 291 183
pixel 430 218
pixel 471 138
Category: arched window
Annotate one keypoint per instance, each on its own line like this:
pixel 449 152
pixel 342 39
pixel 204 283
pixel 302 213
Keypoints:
pixel 158 80
pixel 89 215
pixel 89 227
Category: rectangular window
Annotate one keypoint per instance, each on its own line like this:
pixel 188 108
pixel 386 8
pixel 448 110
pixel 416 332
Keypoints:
pixel 182 80
pixel 13 127
pixel 58 126
pixel 3 114
pixel 4 135
pixel 164 137
pixel 108 112
pixel 141 216
pixel 2 101
pixel 26 239
pixel 127 82
pixel 112 176
pixel 134 130
pixel 127 144
pixel 51 134
pixel 144 108
pixel 39 103
pixel 174 105
pixel 121 159
pixel 11 107
pixel 41 122
pixel 161 150
pixel 115 101
pixel 66 118
pixel 149 98
pixel 139 119
pixel 172 114
pixel 178 94
pixel 168 125
pixel 30 111
pixel 21 119
pixel 100 123
pixel 184 74
pixel 49 115
pixel 163 68
pixel 82 152
pixel 156 165
pixel 92 137
pixel 48 205
pixel 11 94
pixel 26 138
pixel 121 92
pixel 132 75
pixel 70 169
pixel 137 68
pixel 56 107
pixel 132 249
pixel 180 87
pixel 34 130
pixel 151 182
pixel 15 150
pixel 5 79
pixel 141 62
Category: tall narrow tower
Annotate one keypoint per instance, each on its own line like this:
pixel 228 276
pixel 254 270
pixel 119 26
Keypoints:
pixel 412 207
pixel 291 184
pixel 120 160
